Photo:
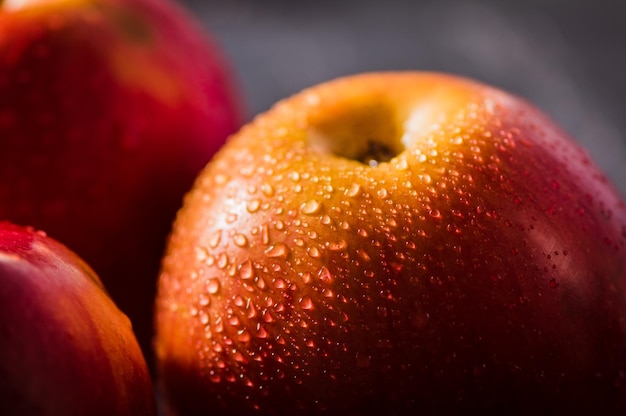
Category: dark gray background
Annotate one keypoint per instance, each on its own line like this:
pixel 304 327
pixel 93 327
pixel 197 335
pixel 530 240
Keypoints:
pixel 568 57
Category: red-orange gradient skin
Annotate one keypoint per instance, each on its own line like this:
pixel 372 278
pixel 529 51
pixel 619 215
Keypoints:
pixel 481 269
pixel 65 348
pixel 108 111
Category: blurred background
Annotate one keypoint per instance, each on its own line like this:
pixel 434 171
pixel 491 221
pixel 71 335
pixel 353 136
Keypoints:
pixel 568 57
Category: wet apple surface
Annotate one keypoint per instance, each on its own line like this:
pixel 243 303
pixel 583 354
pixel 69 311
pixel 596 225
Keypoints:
pixel 480 265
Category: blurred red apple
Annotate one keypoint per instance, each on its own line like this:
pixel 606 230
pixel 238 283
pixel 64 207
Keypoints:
pixel 397 244
pixel 108 110
pixel 65 348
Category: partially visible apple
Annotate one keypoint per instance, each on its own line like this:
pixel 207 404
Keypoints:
pixel 108 110
pixel 65 348
pixel 397 244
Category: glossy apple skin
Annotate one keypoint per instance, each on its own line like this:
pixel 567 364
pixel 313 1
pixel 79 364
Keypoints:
pixel 65 348
pixel 108 111
pixel 480 270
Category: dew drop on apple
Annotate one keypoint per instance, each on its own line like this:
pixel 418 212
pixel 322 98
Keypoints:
pixel 337 245
pixel 204 300
pixel 267 316
pixel 213 286
pixel 306 303
pixel 363 255
pixel 310 207
pixel 554 283
pixel 240 240
pixel 267 189
pixel 434 213
pixel 326 220
pixel 425 178
pixel 222 260
pixel 246 270
pixel 353 190
pixel 201 254
pixel 215 239
pixel 306 277
pixel 245 337
pixel 280 283
pixel 253 206
pixel 278 250
pixel 325 275
pixel 314 252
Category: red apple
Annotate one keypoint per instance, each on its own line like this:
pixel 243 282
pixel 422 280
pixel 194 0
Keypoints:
pixel 396 243
pixel 108 110
pixel 65 348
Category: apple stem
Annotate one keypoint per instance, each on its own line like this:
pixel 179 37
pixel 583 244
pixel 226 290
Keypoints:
pixel 376 153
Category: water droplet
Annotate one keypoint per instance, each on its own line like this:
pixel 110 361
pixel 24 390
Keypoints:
pixel 277 250
pixel 280 283
pixel 554 283
pixel 310 207
pixel 306 277
pixel 253 206
pixel 267 189
pixel 201 254
pixel 262 332
pixel 434 213
pixel 326 220
pixel 222 260
pixel 325 275
pixel 221 179
pixel 363 254
pixel 314 252
pixel 215 238
pixel 246 270
pixel 425 178
pixel 382 193
pixel 337 246
pixel 306 303
pixel 213 286
pixel 265 234
pixel 267 317
pixel 402 165
pixel 204 300
pixel 231 218
pixel 243 336
pixel 353 190
pixel 240 240
pixel 457 140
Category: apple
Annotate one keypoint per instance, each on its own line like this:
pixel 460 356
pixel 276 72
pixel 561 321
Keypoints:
pixel 65 348
pixel 108 111
pixel 396 243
